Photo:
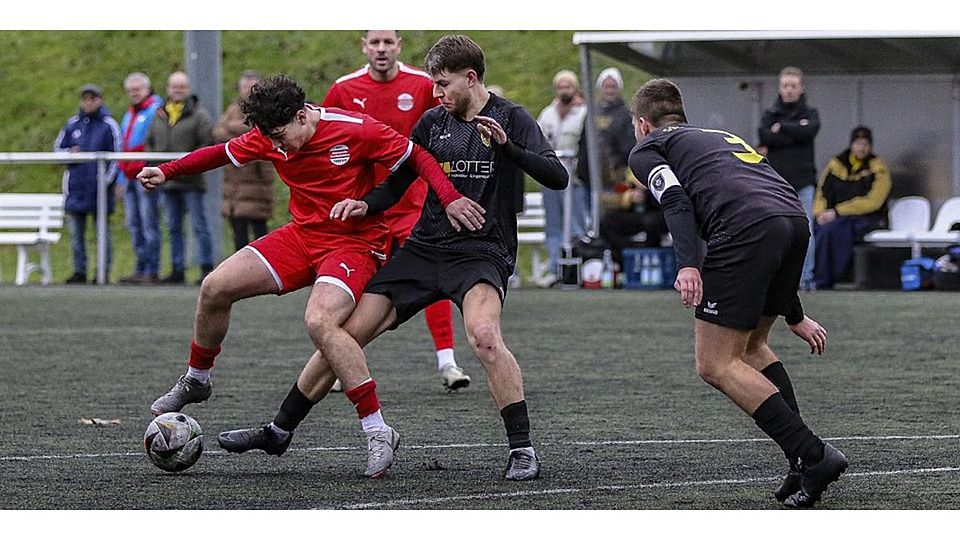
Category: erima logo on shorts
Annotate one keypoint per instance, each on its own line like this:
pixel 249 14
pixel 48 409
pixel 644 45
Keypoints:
pixel 339 155
pixel 711 308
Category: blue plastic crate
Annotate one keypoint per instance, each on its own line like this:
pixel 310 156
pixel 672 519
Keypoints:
pixel 649 268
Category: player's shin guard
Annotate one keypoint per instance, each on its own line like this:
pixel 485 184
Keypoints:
pixel 440 322
pixel 785 427
pixel 201 357
pixel 364 398
pixel 293 410
pixel 517 423
pixel 777 374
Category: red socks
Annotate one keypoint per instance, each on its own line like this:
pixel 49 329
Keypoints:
pixel 202 358
pixel 440 322
pixel 364 398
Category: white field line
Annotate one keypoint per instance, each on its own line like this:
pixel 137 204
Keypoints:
pixel 640 442
pixel 662 485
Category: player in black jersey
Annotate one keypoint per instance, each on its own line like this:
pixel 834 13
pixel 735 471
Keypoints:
pixel 713 184
pixel 483 142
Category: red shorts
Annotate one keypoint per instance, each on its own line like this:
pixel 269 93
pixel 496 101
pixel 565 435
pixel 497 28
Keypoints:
pixel 297 258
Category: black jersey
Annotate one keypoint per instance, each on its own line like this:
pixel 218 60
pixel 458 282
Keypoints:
pixel 729 184
pixel 485 172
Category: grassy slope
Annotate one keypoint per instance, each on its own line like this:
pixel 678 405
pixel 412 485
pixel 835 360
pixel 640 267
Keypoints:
pixel 41 71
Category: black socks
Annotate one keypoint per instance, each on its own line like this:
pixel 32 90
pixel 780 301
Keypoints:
pixel 517 423
pixel 293 410
pixel 785 427
pixel 777 374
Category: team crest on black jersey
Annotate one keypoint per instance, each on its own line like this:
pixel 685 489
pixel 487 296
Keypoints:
pixel 339 155
pixel 405 102
pixel 485 140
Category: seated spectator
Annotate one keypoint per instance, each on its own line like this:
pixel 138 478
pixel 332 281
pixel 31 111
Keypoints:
pixel 92 129
pixel 638 213
pixel 851 200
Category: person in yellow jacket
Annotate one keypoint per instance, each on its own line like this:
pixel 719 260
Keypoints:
pixel 851 200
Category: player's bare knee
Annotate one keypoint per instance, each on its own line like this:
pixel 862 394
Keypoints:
pixel 216 291
pixel 711 372
pixel 485 339
pixel 320 326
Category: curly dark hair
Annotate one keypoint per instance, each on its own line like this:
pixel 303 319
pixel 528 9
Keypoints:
pixel 273 102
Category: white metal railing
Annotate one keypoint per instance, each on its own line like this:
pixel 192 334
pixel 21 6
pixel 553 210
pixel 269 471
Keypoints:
pixel 101 159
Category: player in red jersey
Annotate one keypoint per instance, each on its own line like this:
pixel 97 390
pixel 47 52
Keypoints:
pixel 398 95
pixel 322 155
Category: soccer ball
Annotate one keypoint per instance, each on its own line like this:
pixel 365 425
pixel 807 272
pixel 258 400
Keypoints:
pixel 173 441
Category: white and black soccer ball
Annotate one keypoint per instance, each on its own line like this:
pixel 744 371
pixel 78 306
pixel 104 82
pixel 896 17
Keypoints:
pixel 173 441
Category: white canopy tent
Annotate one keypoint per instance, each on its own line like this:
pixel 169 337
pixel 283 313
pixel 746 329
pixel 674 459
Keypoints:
pixel 905 85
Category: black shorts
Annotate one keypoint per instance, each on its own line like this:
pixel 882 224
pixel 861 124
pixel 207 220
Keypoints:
pixel 756 273
pixel 417 276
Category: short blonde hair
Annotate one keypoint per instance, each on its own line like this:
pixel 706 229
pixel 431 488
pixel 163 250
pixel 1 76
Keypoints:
pixel 790 70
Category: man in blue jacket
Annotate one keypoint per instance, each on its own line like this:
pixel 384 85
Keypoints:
pixel 90 130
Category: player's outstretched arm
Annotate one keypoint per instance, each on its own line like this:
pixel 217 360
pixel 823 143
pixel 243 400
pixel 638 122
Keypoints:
pixel 196 162
pixel 460 210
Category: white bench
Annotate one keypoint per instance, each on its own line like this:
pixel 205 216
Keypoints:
pixel 35 217
pixel 909 219
pixel 530 226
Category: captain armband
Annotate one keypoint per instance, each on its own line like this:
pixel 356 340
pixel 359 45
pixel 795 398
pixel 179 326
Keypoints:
pixel 661 179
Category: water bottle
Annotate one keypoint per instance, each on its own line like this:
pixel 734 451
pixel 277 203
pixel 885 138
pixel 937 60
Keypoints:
pixel 656 272
pixel 606 281
pixel 645 271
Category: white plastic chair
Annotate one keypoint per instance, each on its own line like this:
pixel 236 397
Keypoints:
pixel 940 234
pixel 909 217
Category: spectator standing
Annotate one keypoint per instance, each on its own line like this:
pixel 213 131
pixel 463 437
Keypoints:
pixel 247 191
pixel 142 207
pixel 615 137
pixel 788 130
pixel 851 200
pixel 562 124
pixel 92 129
pixel 182 126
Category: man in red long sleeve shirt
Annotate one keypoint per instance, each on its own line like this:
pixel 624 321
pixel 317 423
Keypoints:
pixel 323 155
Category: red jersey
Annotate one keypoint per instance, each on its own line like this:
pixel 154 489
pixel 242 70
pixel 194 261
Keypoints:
pixel 336 163
pixel 398 103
